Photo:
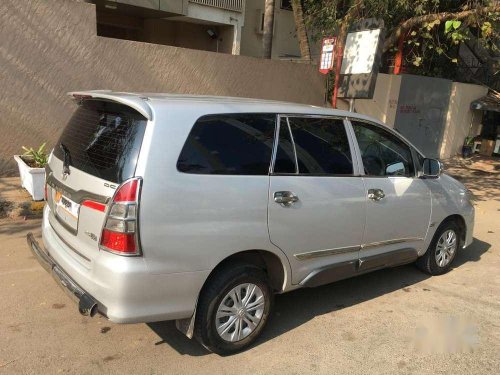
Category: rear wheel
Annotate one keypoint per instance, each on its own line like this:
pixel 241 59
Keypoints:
pixel 442 249
pixel 233 309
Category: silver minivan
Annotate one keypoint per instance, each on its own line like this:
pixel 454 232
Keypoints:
pixel 199 209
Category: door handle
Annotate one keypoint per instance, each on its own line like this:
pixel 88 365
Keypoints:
pixel 285 198
pixel 376 194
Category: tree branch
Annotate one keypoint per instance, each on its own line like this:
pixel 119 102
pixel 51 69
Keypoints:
pixel 444 16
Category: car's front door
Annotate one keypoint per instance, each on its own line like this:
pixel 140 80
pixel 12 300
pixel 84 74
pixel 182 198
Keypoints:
pixel 398 205
pixel 316 203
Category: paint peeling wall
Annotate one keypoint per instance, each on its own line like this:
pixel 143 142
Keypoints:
pixel 50 47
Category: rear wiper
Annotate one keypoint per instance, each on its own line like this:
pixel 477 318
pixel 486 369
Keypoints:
pixel 67 159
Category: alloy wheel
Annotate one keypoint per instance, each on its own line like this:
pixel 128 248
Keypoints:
pixel 240 312
pixel 446 247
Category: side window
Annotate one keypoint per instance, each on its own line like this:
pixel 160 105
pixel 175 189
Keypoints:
pixel 232 144
pixel 383 153
pixel 322 146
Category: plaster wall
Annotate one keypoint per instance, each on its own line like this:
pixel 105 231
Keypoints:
pixel 461 121
pixel 50 47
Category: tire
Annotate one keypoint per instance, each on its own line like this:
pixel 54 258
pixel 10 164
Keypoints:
pixel 215 295
pixel 430 261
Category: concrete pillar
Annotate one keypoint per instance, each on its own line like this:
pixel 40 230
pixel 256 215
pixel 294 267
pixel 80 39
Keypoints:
pixel 236 39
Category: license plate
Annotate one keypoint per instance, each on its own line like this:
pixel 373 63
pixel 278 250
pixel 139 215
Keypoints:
pixel 66 209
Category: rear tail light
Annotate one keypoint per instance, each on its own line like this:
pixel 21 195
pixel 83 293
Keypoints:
pixel 120 233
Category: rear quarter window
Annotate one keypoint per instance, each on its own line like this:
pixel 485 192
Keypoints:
pixel 103 139
pixel 229 144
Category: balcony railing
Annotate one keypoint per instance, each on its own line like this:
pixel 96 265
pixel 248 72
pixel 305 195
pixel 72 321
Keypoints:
pixel 234 5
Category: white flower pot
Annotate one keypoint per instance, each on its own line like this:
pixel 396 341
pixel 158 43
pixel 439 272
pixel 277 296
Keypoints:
pixel 32 179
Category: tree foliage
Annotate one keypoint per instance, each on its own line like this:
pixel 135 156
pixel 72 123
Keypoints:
pixel 433 29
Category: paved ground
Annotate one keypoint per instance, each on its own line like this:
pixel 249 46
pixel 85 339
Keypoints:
pixel 16 202
pixel 391 321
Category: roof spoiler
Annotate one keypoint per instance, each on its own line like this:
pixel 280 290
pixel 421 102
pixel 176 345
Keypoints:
pixel 134 101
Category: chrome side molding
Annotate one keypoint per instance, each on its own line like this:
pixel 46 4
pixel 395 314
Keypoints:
pixel 349 249
pixel 391 242
pixel 326 252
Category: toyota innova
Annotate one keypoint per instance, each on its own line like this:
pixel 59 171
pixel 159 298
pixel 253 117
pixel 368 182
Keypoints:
pixel 200 209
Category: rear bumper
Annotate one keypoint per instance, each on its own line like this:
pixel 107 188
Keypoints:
pixel 125 288
pixel 87 305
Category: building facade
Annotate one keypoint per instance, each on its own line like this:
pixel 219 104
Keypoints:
pixel 224 26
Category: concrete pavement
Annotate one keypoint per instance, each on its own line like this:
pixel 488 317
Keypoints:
pixel 391 321
pixel 16 202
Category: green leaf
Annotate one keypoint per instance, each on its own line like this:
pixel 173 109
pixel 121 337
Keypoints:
pixel 454 61
pixel 456 24
pixel 40 149
pixel 486 29
pixel 413 33
pixel 447 26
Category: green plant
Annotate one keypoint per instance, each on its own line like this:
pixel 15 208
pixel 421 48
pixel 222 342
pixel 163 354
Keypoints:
pixel 469 141
pixel 430 32
pixel 38 158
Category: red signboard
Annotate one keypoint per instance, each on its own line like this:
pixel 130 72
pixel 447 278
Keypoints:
pixel 327 55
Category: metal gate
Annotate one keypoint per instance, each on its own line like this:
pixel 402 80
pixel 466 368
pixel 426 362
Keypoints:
pixel 421 114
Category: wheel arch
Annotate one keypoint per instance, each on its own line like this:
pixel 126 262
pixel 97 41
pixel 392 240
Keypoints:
pixel 269 262
pixel 460 221
pixel 275 266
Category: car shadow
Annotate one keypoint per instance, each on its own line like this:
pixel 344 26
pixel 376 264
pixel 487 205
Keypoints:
pixel 19 228
pixel 295 308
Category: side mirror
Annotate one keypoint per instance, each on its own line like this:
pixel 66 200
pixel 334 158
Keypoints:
pixel 432 168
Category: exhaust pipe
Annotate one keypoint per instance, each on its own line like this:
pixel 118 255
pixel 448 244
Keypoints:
pixel 87 306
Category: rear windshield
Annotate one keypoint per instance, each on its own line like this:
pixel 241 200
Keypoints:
pixel 103 139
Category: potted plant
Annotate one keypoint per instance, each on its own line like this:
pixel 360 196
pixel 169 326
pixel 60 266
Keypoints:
pixel 467 147
pixel 32 170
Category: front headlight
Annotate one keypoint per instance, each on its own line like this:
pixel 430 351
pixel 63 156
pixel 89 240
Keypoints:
pixel 469 195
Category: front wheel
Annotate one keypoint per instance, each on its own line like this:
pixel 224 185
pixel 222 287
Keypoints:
pixel 442 249
pixel 233 309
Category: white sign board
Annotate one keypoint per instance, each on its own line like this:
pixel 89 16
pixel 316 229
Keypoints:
pixel 359 52
pixel 327 55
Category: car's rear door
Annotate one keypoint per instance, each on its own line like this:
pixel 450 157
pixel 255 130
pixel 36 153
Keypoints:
pixel 97 151
pixel 316 203
pixel 398 203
